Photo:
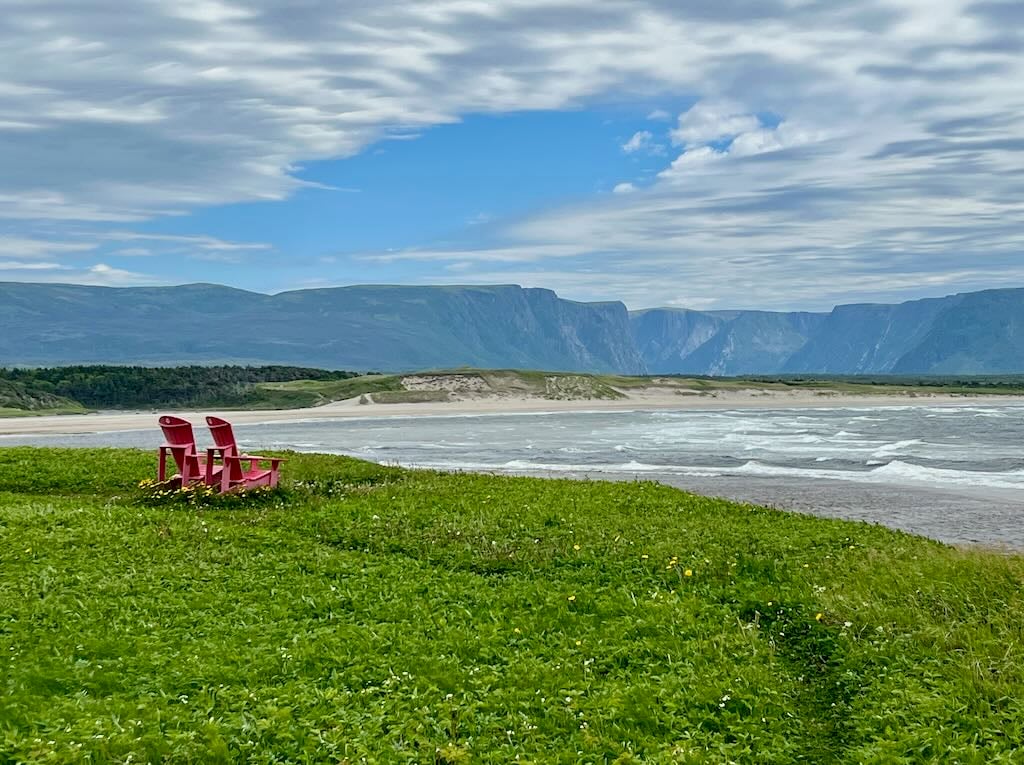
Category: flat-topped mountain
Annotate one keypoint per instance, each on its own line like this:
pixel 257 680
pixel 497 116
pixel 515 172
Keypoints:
pixel 386 328
pixel 396 328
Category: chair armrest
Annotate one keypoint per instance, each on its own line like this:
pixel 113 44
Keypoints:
pixel 252 459
pixel 276 460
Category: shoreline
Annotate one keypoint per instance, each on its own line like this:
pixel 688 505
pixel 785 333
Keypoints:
pixel 109 422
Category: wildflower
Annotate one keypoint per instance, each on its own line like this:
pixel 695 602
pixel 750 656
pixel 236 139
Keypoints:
pixel 516 630
pixel 807 565
pixel 576 548
pixel 579 642
pixel 819 616
pixel 688 572
pixel 571 598
pixel 645 556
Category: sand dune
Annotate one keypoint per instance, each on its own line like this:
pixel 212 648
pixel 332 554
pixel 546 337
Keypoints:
pixel 647 398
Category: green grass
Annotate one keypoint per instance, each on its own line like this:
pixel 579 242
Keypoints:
pixel 371 614
pixel 6 411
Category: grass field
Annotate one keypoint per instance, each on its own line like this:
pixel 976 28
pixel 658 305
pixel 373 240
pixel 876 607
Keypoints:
pixel 371 614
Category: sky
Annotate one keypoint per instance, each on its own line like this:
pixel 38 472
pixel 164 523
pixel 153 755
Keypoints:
pixel 777 154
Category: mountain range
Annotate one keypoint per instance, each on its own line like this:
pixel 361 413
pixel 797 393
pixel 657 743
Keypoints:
pixel 398 328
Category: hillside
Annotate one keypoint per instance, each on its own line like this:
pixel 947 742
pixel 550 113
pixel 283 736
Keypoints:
pixel 366 613
pixel 17 399
pixel 399 329
pixel 388 328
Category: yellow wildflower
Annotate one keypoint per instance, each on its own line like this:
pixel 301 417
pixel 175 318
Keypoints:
pixel 819 616
pixel 576 548
pixel 688 572
pixel 571 598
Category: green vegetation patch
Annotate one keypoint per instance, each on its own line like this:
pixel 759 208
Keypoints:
pixel 368 613
pixel 316 392
pixel 17 398
pixel 411 397
pixel 116 387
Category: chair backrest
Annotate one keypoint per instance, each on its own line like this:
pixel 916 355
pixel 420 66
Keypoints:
pixel 223 435
pixel 178 433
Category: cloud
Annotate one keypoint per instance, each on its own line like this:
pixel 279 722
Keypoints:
pixel 26 247
pixel 14 265
pixel 100 274
pixel 640 141
pixel 834 149
pixel 520 254
pixel 735 135
pixel 201 242
pixel 623 188
pixel 701 155
pixel 134 252
pixel 712 121
pixel 103 274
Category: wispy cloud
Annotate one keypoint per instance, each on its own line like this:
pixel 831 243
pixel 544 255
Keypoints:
pixel 14 265
pixel 200 242
pixel 521 254
pixel 27 247
pixel 99 274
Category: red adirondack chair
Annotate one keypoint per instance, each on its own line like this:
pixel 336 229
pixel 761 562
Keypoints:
pixel 236 476
pixel 181 447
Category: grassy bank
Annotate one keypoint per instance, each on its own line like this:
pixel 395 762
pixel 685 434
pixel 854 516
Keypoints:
pixel 374 614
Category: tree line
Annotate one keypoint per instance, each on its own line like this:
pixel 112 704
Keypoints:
pixel 117 387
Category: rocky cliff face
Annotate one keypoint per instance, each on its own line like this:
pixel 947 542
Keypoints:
pixel 408 328
pixel 979 333
pixel 752 342
pixel 862 339
pixel 665 337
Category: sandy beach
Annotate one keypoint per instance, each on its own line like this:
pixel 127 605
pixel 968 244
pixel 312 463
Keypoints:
pixel 645 399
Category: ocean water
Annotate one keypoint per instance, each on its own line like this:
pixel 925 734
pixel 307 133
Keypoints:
pixel 953 472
